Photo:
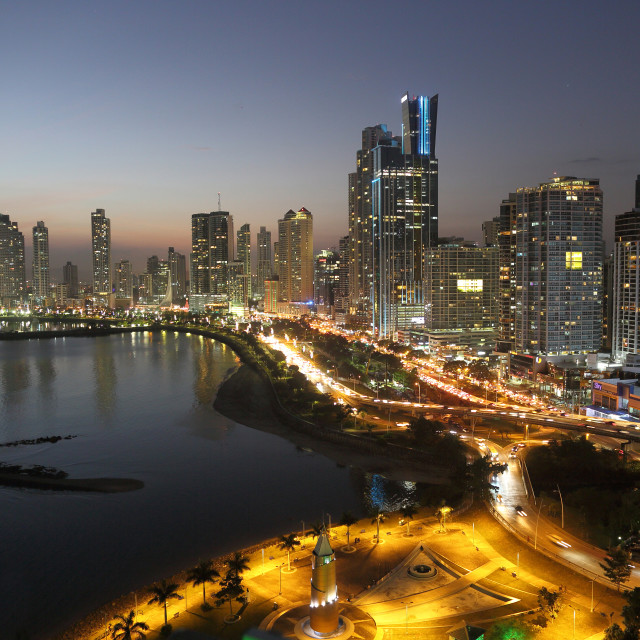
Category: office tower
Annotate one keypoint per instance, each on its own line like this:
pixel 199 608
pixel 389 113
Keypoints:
pixel 326 280
pixel 462 293
pixel 238 287
pixel 70 278
pixel 200 272
pixel 558 268
pixel 265 263
pixel 178 274
pixel 101 256
pixel 212 248
pixel 295 256
pixel 404 203
pixel 271 294
pixel 360 219
pixel 243 253
pixel 12 272
pixel 490 231
pixel 41 273
pixel 626 285
pixel 507 284
pixel 341 298
pixel 607 302
pixel 123 280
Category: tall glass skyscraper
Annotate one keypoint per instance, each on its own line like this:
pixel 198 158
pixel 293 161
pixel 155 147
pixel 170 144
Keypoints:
pixel 626 285
pixel 295 256
pixel 265 260
pixel 12 272
pixel 558 268
pixel 41 273
pixel 404 219
pixel 101 256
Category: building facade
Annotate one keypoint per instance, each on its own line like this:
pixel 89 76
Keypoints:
pixel 404 206
pixel 41 271
pixel 12 269
pixel 123 280
pixel 265 260
pixel 70 278
pixel 626 285
pixel 558 268
pixel 101 256
pixel 243 253
pixel 295 256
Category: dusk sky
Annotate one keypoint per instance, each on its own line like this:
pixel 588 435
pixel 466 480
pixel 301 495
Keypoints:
pixel 148 109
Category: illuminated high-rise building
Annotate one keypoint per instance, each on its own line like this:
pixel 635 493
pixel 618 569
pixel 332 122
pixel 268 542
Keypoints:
pixel 212 248
pixel 178 274
pixel 626 285
pixel 243 253
pixel 12 272
pixel 101 255
pixel 123 280
pixel 41 272
pixel 70 278
pixel 295 256
pixel 265 260
pixel 558 255
pixel 404 219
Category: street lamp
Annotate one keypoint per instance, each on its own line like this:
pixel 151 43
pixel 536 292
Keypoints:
pixel 418 385
pixel 561 505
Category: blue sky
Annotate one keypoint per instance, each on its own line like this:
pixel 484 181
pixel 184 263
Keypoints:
pixel 148 109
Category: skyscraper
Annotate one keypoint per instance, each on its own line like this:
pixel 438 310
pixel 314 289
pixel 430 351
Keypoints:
pixel 360 219
pixel 101 256
pixel 178 274
pixel 265 260
pixel 558 268
pixel 123 280
pixel 70 278
pixel 244 253
pixel 12 272
pixel 295 256
pixel 41 273
pixel 404 205
pixel 626 285
pixel 212 248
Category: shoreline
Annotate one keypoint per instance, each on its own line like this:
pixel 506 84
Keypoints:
pixel 245 398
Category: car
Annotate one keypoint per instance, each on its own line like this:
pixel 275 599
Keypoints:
pixel 513 455
pixel 559 541
pixel 563 413
pixel 520 511
pixel 611 422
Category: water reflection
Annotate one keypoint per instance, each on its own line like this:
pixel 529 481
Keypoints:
pixel 105 377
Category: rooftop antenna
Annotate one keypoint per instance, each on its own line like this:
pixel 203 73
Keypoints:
pixel 219 205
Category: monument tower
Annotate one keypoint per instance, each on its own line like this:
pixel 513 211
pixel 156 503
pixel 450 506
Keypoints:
pixel 324 619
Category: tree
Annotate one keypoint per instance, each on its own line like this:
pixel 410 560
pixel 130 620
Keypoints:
pixel 127 629
pixel 478 475
pixel 347 520
pixel 513 629
pixel 479 370
pixel 631 613
pixel 454 366
pixel 442 514
pixel 316 529
pixel 202 573
pixel 614 632
pixel 377 517
pixel 237 564
pixel 408 511
pixel 162 593
pixel 550 602
pixel 616 566
pixel 232 589
pixel 288 544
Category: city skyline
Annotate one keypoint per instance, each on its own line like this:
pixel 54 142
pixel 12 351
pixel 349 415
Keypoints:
pixel 137 110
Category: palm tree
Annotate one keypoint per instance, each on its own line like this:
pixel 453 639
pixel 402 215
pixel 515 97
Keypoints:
pixel 443 513
pixel 316 529
pixel 347 520
pixel 288 543
pixel 232 589
pixel 163 592
pixel 202 573
pixel 238 564
pixel 377 518
pixel 408 511
pixel 127 629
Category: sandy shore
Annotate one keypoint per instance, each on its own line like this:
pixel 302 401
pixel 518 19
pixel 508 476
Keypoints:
pixel 243 397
